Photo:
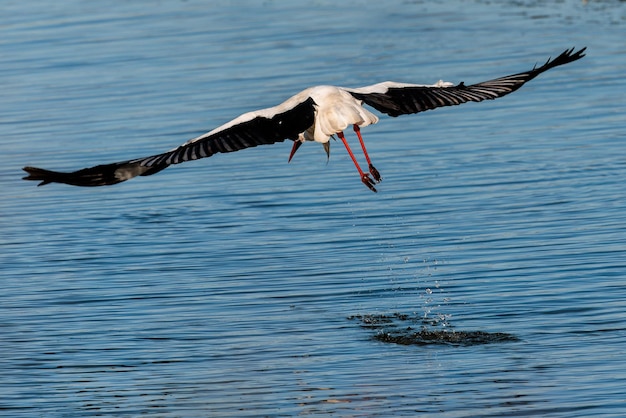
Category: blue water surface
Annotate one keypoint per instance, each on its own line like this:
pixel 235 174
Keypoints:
pixel 229 286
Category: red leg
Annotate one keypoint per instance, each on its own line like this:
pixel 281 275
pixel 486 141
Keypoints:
pixel 371 168
pixel 365 178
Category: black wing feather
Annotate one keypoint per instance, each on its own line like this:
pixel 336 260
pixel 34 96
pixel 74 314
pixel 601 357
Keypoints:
pixel 259 130
pixel 413 99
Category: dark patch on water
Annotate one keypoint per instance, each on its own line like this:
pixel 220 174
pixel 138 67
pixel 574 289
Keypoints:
pixel 405 329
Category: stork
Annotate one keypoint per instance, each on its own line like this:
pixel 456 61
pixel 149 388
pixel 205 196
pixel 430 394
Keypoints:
pixel 315 114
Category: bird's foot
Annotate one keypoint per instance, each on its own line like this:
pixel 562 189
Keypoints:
pixel 367 180
pixel 375 174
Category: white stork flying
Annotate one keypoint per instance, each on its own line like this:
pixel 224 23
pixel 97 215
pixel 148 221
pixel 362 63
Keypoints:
pixel 315 114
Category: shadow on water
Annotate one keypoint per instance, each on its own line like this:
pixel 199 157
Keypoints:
pixel 405 329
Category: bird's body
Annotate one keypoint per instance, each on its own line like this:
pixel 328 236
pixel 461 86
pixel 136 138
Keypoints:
pixel 336 109
pixel 315 114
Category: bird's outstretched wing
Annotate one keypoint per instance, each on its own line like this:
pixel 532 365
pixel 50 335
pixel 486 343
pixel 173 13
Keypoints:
pixel 397 99
pixel 266 126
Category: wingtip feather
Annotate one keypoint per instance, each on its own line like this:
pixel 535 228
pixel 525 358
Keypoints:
pixel 39 174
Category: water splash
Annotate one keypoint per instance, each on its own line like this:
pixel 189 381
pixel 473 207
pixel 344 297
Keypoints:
pixel 414 329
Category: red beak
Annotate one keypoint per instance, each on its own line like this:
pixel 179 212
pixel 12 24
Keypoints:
pixel 296 144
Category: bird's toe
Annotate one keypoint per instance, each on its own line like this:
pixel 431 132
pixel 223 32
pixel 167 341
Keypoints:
pixel 367 180
pixel 377 177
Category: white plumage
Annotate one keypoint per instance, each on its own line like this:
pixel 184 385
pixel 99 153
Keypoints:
pixel 315 114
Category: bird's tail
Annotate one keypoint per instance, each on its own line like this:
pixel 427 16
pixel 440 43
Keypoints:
pixel 100 175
